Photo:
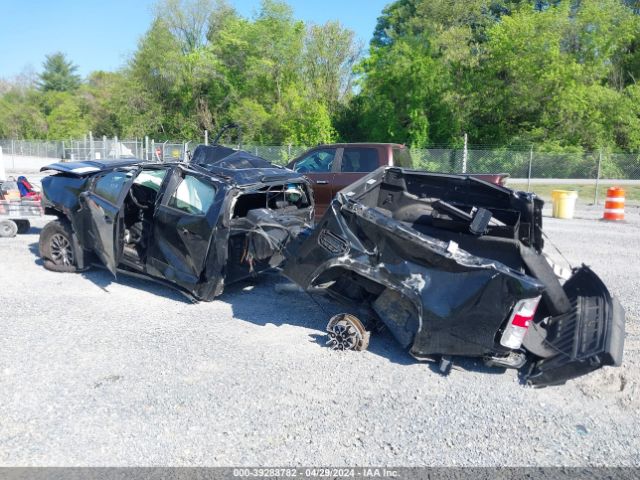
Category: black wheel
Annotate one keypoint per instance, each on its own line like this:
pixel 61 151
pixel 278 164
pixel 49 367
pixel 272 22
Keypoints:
pixel 8 228
pixel 56 247
pixel 23 226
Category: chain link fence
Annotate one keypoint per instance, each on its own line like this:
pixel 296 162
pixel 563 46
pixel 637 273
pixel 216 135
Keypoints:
pixel 32 148
pixel 588 173
pixel 527 168
pixel 523 164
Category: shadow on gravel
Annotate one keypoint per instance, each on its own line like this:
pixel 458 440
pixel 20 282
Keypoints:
pixel 381 344
pixel 256 301
pixel 35 251
pixel 473 365
pixel 102 278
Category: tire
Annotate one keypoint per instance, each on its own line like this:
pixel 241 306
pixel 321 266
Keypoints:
pixel 23 226
pixel 56 247
pixel 8 228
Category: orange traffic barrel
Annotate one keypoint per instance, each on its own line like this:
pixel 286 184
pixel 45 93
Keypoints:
pixel 614 205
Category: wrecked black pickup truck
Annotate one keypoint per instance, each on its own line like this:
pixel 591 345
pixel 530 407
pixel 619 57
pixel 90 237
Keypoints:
pixel 221 218
pixel 453 266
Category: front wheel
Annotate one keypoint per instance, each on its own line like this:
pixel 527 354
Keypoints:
pixel 56 247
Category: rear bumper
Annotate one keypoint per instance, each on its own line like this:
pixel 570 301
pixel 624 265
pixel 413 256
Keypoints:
pixel 588 337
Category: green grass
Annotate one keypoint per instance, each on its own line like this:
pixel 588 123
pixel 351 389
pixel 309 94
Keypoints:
pixel 585 192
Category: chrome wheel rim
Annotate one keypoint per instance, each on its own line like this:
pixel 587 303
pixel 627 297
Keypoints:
pixel 61 251
pixel 343 337
pixel 346 332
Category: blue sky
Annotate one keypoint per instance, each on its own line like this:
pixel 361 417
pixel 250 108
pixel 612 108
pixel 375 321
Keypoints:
pixel 102 35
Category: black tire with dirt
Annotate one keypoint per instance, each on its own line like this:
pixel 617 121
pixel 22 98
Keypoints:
pixel 8 228
pixel 56 247
pixel 23 226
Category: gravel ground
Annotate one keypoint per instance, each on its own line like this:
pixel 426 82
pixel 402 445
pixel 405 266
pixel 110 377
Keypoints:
pixel 101 372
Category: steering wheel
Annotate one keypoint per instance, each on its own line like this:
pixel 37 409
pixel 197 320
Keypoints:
pixel 135 201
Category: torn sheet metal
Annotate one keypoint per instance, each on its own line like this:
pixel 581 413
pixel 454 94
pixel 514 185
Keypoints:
pixel 451 265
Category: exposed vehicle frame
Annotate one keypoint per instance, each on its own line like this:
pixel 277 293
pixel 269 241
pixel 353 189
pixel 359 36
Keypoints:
pixel 453 265
pixel 225 216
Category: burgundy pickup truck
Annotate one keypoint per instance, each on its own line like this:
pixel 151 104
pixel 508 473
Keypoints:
pixel 334 167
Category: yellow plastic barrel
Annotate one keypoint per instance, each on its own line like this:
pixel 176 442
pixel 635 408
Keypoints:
pixel 564 203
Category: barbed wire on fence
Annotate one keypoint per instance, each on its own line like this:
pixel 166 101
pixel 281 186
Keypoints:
pixel 518 162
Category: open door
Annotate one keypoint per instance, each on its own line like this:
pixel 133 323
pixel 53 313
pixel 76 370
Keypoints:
pixel 104 205
pixel 183 225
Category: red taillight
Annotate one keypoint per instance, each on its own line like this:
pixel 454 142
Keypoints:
pixel 519 322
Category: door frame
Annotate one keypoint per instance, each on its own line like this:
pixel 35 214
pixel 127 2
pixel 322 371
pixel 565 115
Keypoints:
pixel 156 266
pixel 110 258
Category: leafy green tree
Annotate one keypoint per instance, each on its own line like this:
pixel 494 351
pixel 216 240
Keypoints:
pixel 558 73
pixel 330 54
pixel 20 114
pixel 187 20
pixel 269 88
pixel 545 76
pixel 276 40
pixel 303 122
pixel 555 72
pixel 66 119
pixel 59 74
pixel 156 63
pixel 403 95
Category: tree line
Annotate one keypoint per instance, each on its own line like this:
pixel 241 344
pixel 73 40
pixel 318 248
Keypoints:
pixel 560 74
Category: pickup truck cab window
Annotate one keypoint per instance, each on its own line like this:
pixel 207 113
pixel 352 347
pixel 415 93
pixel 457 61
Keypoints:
pixel 359 159
pixel 317 161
